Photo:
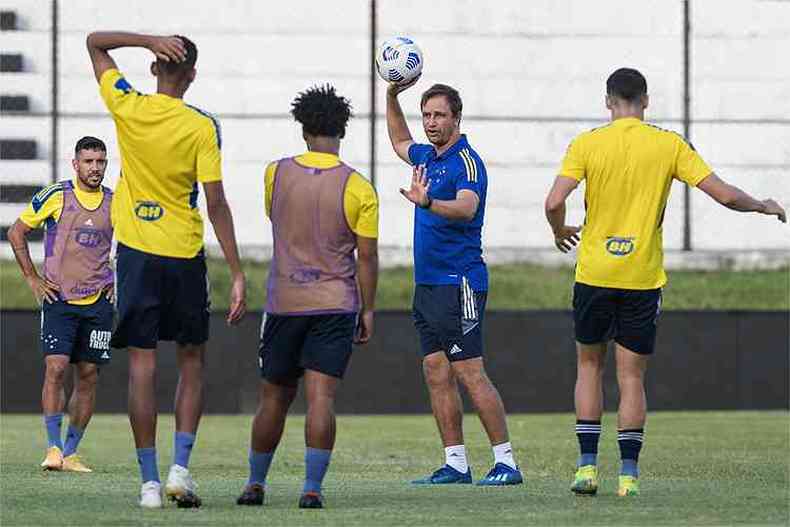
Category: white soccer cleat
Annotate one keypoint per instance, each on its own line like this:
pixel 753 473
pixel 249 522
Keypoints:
pixel 151 495
pixel 181 488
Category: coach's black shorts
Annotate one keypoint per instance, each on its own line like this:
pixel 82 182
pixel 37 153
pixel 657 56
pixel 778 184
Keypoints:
pixel 81 332
pixel 449 318
pixel 291 344
pixel 160 298
pixel 628 316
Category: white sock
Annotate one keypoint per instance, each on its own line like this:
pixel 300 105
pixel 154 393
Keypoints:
pixel 455 456
pixel 503 453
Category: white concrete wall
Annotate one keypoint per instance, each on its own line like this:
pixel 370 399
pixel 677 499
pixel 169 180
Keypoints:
pixel 531 75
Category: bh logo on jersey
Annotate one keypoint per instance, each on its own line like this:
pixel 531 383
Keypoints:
pixel 100 340
pixel 149 210
pixel 89 238
pixel 620 246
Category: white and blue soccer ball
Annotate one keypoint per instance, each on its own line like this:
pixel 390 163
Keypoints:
pixel 399 60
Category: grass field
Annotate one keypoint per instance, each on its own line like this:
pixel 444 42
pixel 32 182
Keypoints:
pixel 711 468
pixel 512 287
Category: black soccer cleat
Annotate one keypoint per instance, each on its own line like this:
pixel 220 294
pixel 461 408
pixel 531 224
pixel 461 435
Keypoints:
pixel 188 500
pixel 311 500
pixel 252 495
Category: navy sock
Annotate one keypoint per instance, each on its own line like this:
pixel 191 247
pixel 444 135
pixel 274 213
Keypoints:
pixel 73 438
pixel 149 471
pixel 588 432
pixel 53 423
pixel 183 442
pixel 259 466
pixel 316 463
pixel 630 442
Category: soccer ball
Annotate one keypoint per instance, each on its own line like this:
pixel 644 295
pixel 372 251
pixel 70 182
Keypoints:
pixel 399 60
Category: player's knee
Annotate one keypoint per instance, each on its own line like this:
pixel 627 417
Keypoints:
pixel 437 370
pixel 87 379
pixel 56 371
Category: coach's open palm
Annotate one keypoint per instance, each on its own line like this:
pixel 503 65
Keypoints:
pixel 418 191
pixel 395 88
pixel 238 300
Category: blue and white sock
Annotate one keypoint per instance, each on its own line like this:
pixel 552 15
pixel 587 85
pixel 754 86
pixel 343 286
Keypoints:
pixel 630 442
pixel 588 432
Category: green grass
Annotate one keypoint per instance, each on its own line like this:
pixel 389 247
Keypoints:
pixel 518 286
pixel 698 468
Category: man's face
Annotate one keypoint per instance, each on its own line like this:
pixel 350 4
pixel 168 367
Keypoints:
pixel 90 166
pixel 438 121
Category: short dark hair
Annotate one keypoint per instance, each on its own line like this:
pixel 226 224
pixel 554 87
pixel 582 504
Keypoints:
pixel 181 68
pixel 626 83
pixel 89 143
pixel 450 93
pixel 321 111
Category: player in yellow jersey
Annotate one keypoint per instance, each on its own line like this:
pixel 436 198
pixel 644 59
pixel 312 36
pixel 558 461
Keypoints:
pixel 75 293
pixel 167 149
pixel 628 167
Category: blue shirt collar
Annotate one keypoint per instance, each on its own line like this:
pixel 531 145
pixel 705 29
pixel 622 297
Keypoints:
pixel 461 143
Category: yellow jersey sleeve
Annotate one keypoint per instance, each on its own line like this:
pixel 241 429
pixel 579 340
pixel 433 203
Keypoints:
pixel 209 156
pixel 361 206
pixel 690 168
pixel 268 181
pixel 117 93
pixel 573 165
pixel 48 203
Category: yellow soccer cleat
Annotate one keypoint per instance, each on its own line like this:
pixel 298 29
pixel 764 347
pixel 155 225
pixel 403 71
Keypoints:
pixel 586 480
pixel 629 486
pixel 73 463
pixel 53 460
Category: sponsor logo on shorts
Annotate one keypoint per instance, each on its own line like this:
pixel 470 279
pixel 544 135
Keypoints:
pixel 455 349
pixel 149 210
pixel 619 246
pixel 89 238
pixel 100 340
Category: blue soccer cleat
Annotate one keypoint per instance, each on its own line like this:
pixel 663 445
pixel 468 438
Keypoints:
pixel 502 474
pixel 446 475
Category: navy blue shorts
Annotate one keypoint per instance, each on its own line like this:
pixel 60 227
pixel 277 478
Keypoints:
pixel 160 298
pixel 81 332
pixel 627 316
pixel 449 318
pixel 291 344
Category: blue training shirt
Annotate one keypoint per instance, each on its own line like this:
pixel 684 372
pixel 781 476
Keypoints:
pixel 447 250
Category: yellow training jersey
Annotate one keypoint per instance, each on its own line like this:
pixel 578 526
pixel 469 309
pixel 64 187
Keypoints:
pixel 360 203
pixel 47 205
pixel 167 148
pixel 628 166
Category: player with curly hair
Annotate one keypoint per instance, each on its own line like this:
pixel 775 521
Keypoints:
pixel 320 296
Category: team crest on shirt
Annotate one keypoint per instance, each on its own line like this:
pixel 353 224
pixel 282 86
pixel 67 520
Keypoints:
pixel 619 246
pixel 149 210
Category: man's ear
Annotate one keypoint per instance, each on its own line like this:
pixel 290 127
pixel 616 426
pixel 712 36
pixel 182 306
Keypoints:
pixel 154 69
pixel 609 102
pixel 645 101
pixel 192 74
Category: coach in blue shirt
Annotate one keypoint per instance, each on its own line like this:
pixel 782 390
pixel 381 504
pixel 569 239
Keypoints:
pixel 448 189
